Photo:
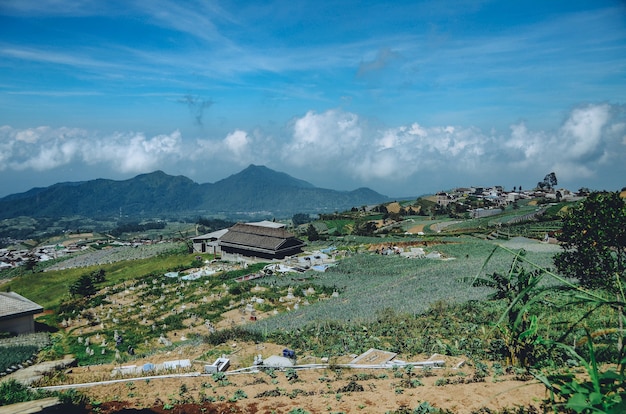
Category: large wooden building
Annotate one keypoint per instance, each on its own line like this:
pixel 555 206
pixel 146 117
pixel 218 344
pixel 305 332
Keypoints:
pixel 258 240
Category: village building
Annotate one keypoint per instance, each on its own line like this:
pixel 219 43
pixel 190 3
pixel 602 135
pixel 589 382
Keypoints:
pixel 208 243
pixel 264 240
pixel 17 313
pixel 443 198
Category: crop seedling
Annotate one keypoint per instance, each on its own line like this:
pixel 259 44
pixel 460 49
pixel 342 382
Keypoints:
pixel 291 375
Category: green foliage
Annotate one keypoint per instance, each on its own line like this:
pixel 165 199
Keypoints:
pixel 549 181
pixel 13 355
pixel 298 411
pixel 239 333
pixel 368 283
pixel 364 227
pixel 594 238
pixel 86 284
pixel 519 288
pixel 601 390
pixel 134 227
pixel 300 218
pixel 220 378
pixel 239 395
pixel 12 392
pixel 312 233
pixel 291 375
pixel 234 274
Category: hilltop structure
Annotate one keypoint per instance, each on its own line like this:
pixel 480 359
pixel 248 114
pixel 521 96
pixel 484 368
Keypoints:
pixel 17 313
pixel 264 240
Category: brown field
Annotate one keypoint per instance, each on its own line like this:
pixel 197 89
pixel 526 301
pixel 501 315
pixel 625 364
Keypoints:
pixel 316 390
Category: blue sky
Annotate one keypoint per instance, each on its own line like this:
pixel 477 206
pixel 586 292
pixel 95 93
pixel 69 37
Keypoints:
pixel 403 97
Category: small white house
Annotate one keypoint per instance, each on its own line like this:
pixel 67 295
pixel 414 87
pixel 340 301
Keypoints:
pixel 17 313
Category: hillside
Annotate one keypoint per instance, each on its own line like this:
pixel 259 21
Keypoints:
pixel 255 189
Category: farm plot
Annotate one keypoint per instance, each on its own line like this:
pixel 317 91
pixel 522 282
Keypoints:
pixel 16 350
pixel 366 284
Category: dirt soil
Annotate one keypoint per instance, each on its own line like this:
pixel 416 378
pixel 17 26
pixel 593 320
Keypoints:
pixel 321 390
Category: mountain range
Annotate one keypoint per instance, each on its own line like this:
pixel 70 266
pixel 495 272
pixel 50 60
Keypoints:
pixel 256 189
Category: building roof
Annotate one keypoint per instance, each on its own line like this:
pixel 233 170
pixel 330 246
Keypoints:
pixel 211 236
pixel 259 238
pixel 216 235
pixel 267 223
pixel 13 305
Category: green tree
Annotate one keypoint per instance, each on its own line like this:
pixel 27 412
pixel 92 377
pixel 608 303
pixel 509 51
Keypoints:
pixel 594 242
pixel 312 233
pixel 364 228
pixel 98 276
pixel 31 264
pixel 84 286
pixel 300 218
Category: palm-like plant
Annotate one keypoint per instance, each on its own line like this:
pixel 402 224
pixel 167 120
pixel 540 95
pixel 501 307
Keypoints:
pixel 519 288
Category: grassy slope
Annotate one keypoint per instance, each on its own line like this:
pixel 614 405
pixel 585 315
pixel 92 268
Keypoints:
pixel 49 288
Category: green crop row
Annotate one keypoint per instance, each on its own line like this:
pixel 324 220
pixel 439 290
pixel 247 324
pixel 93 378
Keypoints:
pixel 16 354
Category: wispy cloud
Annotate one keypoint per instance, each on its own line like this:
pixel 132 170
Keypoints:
pixel 196 106
pixel 382 59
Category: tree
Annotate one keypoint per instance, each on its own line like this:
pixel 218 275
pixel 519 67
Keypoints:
pixel 31 264
pixel 312 233
pixel 98 276
pixel 364 228
pixel 549 181
pixel 594 240
pixel 300 218
pixel 84 286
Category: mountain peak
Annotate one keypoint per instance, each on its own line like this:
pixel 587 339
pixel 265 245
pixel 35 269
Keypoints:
pixel 261 176
pixel 255 189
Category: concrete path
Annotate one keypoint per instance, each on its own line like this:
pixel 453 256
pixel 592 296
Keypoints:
pixel 30 407
pixel 31 374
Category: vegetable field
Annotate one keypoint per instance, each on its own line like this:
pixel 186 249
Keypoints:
pixel 368 283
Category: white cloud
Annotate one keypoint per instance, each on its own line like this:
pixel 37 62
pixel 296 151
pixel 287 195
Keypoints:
pixel 237 142
pixel 582 132
pixel 45 148
pixel 30 135
pixel 133 152
pixel 324 139
pixel 51 156
pixel 340 145
pixel 238 146
pixel 340 141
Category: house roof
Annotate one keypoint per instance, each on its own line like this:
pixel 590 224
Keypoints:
pixel 211 236
pixel 216 235
pixel 13 305
pixel 259 238
pixel 267 223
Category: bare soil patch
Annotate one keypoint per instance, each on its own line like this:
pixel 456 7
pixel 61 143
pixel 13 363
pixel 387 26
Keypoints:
pixel 416 229
pixel 329 389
